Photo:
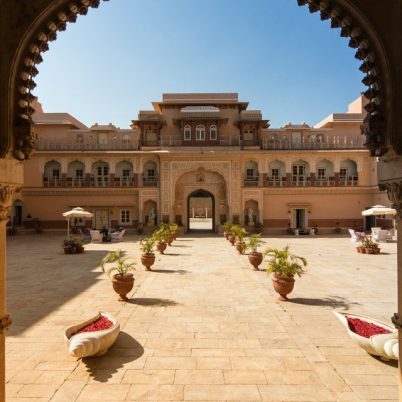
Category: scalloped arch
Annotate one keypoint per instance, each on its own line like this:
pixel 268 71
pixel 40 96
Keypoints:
pixel 341 13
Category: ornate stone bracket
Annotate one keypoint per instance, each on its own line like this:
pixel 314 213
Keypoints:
pixel 5 322
pixel 6 200
pixel 394 192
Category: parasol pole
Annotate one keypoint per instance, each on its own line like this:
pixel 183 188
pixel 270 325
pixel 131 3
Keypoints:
pixel 68 228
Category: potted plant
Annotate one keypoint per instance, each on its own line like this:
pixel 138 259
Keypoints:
pixel 73 246
pixel 174 230
pixel 337 229
pixel 123 279
pixel 370 246
pixel 161 235
pixel 284 266
pixel 255 257
pixel 147 247
pixel 240 234
pixel 227 226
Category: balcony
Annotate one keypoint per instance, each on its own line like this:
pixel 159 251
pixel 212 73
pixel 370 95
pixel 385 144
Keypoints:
pixel 251 181
pixel 91 182
pixel 334 143
pixel 300 181
pixel 276 182
pixel 114 145
pixel 149 181
pixel 349 181
pixel 324 182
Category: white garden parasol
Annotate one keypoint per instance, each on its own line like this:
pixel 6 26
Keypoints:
pixel 379 210
pixel 76 213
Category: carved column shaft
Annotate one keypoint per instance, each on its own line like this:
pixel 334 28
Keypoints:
pixel 6 199
pixel 394 191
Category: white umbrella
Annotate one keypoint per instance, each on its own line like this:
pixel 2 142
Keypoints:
pixel 379 210
pixel 76 213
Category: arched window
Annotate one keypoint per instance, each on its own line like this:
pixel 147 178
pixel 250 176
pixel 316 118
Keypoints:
pixel 213 133
pixel 200 133
pixel 187 133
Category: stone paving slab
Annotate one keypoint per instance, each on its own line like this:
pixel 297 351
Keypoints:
pixel 201 327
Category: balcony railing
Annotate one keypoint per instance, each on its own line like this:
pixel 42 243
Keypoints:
pixel 324 182
pixel 91 182
pixel 114 145
pixel 251 181
pixel 334 143
pixel 276 182
pixel 149 181
pixel 349 181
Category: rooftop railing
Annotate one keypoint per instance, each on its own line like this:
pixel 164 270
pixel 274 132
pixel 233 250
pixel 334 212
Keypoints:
pixel 330 143
pixel 114 145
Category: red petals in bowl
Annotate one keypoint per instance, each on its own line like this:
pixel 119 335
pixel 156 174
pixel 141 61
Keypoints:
pixel 98 325
pixel 364 328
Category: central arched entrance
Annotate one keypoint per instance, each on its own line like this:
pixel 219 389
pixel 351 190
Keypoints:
pixel 201 211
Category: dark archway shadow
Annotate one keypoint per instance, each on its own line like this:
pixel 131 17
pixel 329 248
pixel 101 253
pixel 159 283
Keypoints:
pixel 125 350
pixel 152 302
pixel 170 271
pixel 330 301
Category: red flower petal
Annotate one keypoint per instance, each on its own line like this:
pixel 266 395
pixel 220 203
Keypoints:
pixel 364 328
pixel 97 325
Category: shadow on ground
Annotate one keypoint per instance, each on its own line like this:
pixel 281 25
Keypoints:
pixel 49 280
pixel 170 271
pixel 331 301
pixel 125 350
pixel 152 302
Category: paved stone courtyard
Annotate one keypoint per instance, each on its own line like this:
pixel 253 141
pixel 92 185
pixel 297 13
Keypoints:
pixel 201 327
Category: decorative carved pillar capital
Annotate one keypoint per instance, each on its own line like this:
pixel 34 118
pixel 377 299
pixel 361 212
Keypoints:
pixel 394 191
pixel 6 200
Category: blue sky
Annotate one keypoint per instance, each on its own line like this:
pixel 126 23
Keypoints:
pixel 122 56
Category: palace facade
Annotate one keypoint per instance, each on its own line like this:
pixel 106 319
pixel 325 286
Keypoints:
pixel 200 157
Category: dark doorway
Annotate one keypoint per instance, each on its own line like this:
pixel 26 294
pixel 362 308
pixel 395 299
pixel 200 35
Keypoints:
pixel 17 213
pixel 201 211
pixel 300 218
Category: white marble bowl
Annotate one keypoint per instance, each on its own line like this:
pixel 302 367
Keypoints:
pixel 94 343
pixel 383 345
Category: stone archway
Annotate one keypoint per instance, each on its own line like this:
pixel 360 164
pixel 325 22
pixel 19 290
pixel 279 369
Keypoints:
pixel 210 182
pixel 201 211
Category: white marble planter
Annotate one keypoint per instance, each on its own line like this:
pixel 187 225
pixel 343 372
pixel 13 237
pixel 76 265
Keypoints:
pixel 94 343
pixel 383 345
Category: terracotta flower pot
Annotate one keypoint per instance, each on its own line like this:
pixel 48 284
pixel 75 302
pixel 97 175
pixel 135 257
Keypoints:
pixel 161 246
pixel 283 285
pixel 169 240
pixel 255 259
pixel 122 284
pixel 232 239
pixel 363 250
pixel 240 247
pixel 148 260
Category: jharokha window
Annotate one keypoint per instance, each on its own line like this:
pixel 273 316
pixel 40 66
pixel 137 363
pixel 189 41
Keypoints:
pixel 213 133
pixel 275 174
pixel 187 133
pixel 321 173
pixel 200 133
